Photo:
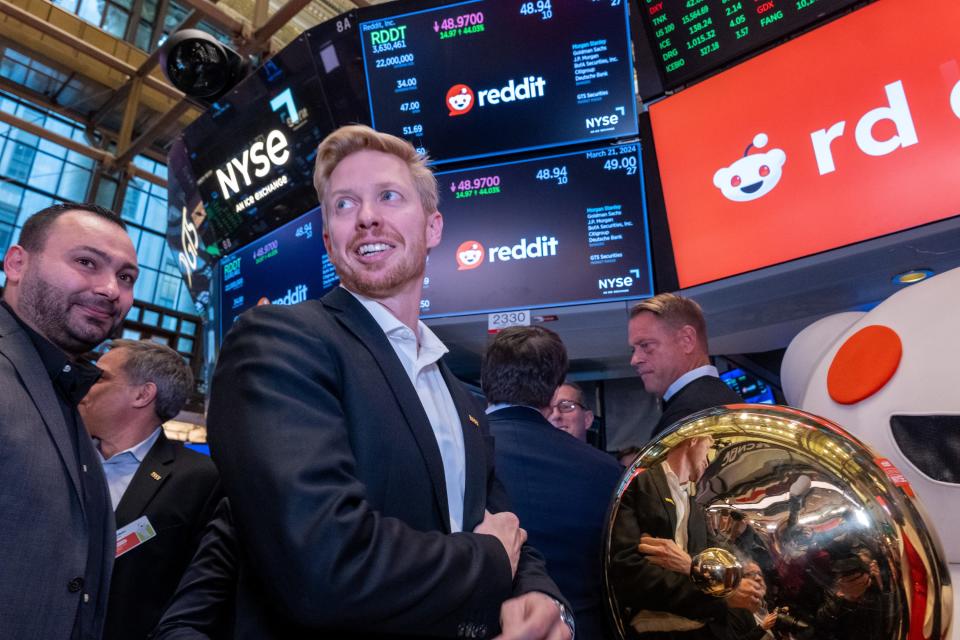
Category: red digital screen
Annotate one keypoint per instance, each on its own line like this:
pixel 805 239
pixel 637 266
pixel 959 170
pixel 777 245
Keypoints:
pixel 847 133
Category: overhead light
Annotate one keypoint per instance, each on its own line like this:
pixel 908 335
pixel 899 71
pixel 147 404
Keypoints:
pixel 913 276
pixel 200 65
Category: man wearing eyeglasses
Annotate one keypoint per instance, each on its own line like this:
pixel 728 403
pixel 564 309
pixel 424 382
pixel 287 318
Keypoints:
pixel 558 486
pixel 569 413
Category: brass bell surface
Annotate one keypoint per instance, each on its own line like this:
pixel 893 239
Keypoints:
pixel 716 571
pixel 838 541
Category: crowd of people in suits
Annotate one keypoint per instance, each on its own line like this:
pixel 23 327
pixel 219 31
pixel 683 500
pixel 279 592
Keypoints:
pixel 357 488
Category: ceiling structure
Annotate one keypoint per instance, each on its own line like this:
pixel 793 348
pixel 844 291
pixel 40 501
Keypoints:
pixel 115 90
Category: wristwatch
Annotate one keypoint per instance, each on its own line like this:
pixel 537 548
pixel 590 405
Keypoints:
pixel 567 618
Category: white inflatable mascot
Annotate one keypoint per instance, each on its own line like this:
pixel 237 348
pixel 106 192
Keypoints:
pixel 891 377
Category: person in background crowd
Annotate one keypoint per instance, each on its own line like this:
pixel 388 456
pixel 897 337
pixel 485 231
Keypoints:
pixel 568 412
pixel 668 340
pixel 755 622
pixel 628 455
pixel 559 486
pixel 359 470
pixel 69 285
pixel 155 484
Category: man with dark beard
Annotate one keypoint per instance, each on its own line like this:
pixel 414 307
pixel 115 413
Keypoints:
pixel 359 470
pixel 69 285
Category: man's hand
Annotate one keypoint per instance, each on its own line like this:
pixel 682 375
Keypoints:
pixel 747 595
pixel 532 616
pixel 768 621
pixel 665 553
pixel 505 527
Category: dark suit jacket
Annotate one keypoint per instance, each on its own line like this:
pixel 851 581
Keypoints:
pixel 337 487
pixel 205 601
pixel 46 521
pixel 177 490
pixel 647 508
pixel 560 488
pixel 702 393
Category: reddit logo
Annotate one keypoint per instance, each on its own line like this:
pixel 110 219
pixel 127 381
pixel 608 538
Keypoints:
pixel 469 255
pixel 459 99
pixel 752 176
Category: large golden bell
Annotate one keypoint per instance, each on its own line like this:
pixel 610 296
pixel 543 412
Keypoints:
pixel 829 538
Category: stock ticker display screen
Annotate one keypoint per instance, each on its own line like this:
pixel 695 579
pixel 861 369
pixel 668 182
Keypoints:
pixel 482 77
pixel 287 266
pixel 556 230
pixel 690 38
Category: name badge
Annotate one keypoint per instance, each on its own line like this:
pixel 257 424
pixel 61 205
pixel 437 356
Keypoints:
pixel 134 534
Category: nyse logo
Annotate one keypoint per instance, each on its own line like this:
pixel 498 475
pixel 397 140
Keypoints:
pixel 614 283
pixel 608 122
pixel 261 156
pixel 618 284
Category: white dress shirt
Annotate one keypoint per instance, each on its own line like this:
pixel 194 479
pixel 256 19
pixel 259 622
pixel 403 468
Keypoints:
pixel 681 502
pixel 122 466
pixel 688 377
pixel 421 366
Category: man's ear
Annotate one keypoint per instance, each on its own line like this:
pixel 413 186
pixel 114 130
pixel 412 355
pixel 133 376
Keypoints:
pixel 434 229
pixel 145 395
pixel 687 338
pixel 15 263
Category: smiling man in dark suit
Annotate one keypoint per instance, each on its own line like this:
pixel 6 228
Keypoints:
pixel 153 482
pixel 359 470
pixel 69 285
pixel 668 343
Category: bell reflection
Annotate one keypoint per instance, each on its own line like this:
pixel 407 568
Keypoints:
pixel 825 545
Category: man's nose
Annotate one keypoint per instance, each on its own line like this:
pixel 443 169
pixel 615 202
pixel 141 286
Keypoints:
pixel 368 216
pixel 108 286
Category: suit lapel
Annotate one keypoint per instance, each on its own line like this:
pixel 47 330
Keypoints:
pixel 355 319
pixel 666 499
pixel 152 473
pixel 474 450
pixel 16 346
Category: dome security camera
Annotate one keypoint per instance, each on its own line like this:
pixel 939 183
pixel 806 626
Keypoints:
pixel 200 65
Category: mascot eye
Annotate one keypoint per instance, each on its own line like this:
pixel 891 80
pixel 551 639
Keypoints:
pixel 735 181
pixel 764 171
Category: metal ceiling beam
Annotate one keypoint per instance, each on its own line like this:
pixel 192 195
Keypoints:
pixel 155 130
pixel 28 94
pixel 263 34
pixel 218 17
pixel 27 18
